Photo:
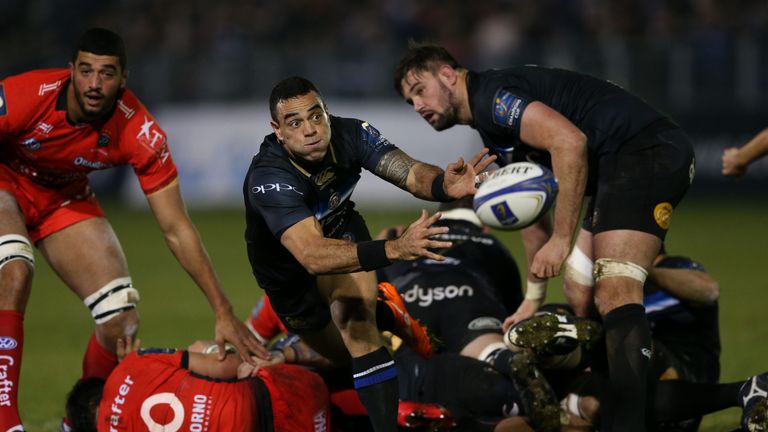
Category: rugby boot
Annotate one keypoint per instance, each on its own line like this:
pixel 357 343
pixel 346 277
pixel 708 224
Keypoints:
pixel 424 416
pixel 547 333
pixel 539 400
pixel 406 328
pixel 754 401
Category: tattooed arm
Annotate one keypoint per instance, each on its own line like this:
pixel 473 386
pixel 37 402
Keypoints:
pixel 407 173
pixel 416 177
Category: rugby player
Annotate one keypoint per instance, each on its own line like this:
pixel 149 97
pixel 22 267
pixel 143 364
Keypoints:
pixel 56 126
pixel 311 251
pixel 600 141
pixel 175 390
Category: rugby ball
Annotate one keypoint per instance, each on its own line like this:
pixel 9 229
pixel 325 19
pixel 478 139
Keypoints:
pixel 515 196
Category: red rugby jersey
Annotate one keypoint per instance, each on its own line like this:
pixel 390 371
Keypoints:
pixel 154 391
pixel 38 142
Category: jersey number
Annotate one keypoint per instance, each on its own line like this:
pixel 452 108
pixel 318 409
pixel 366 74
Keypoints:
pixel 173 403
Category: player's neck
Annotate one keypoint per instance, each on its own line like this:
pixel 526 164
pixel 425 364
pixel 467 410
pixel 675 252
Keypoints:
pixel 463 112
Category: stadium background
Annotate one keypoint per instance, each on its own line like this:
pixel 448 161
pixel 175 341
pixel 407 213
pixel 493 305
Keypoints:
pixel 205 69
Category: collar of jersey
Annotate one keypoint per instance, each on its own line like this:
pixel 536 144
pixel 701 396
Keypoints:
pixel 462 214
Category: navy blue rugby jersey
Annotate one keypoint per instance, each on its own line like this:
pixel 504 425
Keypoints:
pixel 280 192
pixel 481 254
pixel 606 113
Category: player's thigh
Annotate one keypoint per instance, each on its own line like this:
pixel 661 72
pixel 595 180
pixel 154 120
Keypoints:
pixel 359 286
pixel 328 342
pixel 11 218
pixel 86 255
pixel 16 255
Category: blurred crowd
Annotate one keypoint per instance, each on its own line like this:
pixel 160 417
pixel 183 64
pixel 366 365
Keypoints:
pixel 676 53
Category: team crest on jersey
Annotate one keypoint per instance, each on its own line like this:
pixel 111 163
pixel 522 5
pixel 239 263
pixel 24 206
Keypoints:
pixel 507 108
pixel 324 177
pixel 103 140
pixel 334 201
pixel 3 110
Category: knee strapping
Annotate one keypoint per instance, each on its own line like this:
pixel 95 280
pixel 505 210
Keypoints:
pixel 16 247
pixel 115 297
pixel 579 268
pixel 607 267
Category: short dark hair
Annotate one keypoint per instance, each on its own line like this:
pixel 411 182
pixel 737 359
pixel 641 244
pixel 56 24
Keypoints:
pixel 82 403
pixel 422 57
pixel 101 41
pixel 461 203
pixel 288 88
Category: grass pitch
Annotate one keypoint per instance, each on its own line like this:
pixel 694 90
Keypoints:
pixel 728 238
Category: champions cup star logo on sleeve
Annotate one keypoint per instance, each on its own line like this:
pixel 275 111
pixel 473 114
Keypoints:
pixel 507 108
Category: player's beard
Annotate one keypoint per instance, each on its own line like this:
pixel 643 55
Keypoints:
pixel 91 113
pixel 448 118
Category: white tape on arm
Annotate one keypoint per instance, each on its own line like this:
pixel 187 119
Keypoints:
pixel 536 290
pixel 578 268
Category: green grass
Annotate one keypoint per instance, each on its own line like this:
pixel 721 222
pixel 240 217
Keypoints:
pixel 729 239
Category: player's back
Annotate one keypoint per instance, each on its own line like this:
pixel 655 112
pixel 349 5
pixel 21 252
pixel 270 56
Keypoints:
pixel 152 390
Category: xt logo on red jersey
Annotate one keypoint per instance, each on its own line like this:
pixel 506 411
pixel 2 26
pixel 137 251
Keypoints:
pixel 151 137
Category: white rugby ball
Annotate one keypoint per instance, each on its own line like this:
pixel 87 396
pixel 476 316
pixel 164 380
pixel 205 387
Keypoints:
pixel 515 196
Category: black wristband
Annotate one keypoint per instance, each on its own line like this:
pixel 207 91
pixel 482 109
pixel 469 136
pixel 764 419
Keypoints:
pixel 437 189
pixel 372 255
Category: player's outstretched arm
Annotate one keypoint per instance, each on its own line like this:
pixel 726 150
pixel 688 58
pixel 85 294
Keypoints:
pixel 694 286
pixel 184 241
pixel 546 129
pixel 737 160
pixel 322 255
pixel 429 182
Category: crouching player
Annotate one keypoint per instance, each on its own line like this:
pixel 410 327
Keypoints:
pixel 173 390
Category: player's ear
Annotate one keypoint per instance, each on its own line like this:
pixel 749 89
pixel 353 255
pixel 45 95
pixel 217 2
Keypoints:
pixel 124 79
pixel 447 74
pixel 276 129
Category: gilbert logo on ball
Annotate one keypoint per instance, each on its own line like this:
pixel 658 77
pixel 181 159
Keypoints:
pixel 515 196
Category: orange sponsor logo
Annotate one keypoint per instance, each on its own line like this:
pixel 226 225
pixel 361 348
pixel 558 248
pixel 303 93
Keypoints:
pixel 663 214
